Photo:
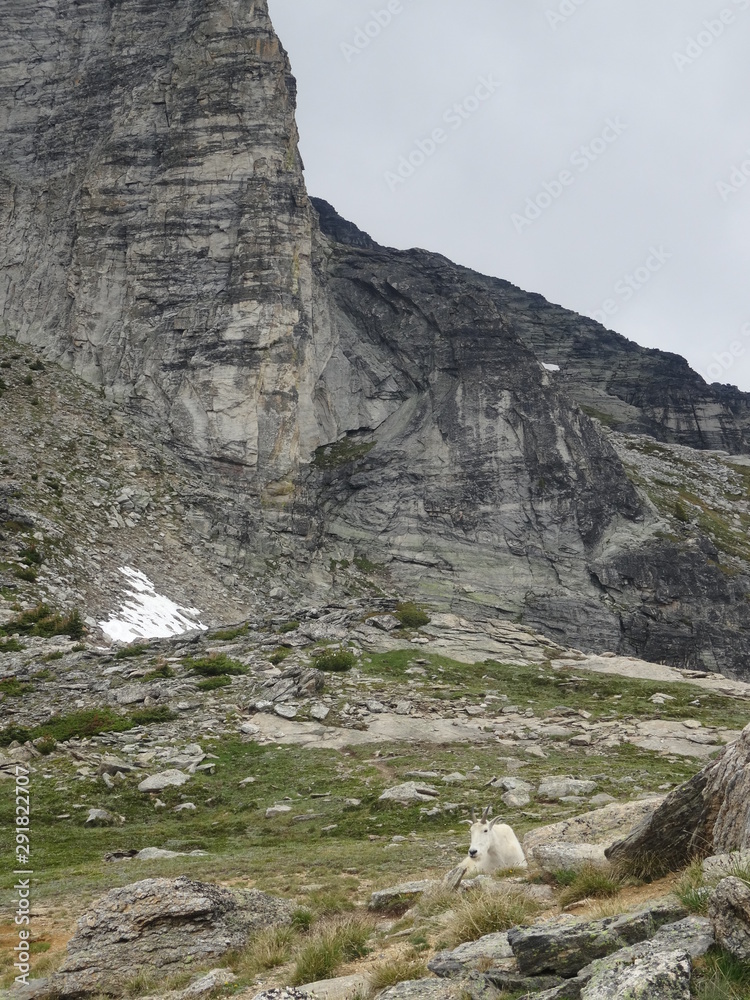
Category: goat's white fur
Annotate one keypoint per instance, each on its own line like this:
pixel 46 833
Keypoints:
pixel 493 846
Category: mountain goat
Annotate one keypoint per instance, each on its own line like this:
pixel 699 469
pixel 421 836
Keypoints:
pixel 493 846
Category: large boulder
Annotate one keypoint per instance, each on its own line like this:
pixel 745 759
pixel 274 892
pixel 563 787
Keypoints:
pixel 660 976
pixel 729 911
pixel 706 815
pixel 597 828
pixel 157 926
pixel 564 945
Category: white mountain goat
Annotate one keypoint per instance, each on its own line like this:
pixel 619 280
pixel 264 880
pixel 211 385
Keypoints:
pixel 493 846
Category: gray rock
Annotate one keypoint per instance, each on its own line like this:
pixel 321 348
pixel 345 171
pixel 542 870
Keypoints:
pixel 101 817
pixel 399 897
pixel 133 694
pixel 516 800
pixel 113 765
pixel 279 810
pixel 602 799
pixel 320 712
pixel 569 857
pixel 720 866
pixel 159 854
pixel 427 989
pixel 155 926
pixel 410 792
pixel 729 912
pixel 662 976
pixel 708 811
pixel 341 988
pixel 387 623
pixel 283 993
pixel 166 779
pixel 476 955
pixel 564 945
pixel 601 826
pixel 558 787
pixel 286 711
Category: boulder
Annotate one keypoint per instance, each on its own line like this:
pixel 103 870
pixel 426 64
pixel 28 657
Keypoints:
pixel 729 912
pixel 167 779
pixel 476 955
pixel 662 976
pixel 559 787
pixel 156 926
pixel 101 817
pixel 564 945
pixel 341 988
pixel 720 866
pixel 600 826
pixel 409 792
pixel 470 987
pixel 283 993
pixel 569 857
pixel 399 897
pixel 706 815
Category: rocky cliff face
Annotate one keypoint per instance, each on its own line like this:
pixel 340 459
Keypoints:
pixel 361 417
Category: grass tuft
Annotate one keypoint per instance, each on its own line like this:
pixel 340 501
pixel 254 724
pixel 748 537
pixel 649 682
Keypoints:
pixel 589 882
pixel 334 943
pixel 481 912
pixel 692 890
pixel 720 976
pixel 398 969
pixel 269 949
pixel 43 621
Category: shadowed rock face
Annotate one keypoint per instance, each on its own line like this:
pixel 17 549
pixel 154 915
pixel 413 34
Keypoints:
pixel 341 399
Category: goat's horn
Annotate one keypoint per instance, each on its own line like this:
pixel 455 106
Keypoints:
pixel 486 813
pixel 473 815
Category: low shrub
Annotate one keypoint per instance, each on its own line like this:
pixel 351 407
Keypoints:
pixel 288 627
pixel 226 635
pixel 11 646
pixel 212 683
pixel 279 655
pixel 138 649
pixel 334 660
pixel 214 665
pixel 43 621
pixel 411 615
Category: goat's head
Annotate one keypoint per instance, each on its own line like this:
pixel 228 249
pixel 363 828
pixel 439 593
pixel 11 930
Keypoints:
pixel 481 836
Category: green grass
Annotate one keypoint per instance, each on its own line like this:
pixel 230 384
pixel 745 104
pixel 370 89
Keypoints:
pixel 279 654
pixel 288 627
pixel 13 688
pixel 85 723
pixel 334 660
pixel 603 695
pixel 719 976
pixel 214 665
pixel 692 890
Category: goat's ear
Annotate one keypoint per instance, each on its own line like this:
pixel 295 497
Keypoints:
pixel 495 820
pixel 469 821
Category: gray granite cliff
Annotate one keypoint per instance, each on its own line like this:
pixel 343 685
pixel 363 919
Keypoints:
pixel 345 403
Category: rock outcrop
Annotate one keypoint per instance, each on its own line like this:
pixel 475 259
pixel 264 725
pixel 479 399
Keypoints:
pixel 345 404
pixel 709 814
pixel 157 925
pixel 729 911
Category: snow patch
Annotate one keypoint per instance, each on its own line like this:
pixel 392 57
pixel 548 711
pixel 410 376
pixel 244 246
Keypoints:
pixel 147 615
pixel 550 368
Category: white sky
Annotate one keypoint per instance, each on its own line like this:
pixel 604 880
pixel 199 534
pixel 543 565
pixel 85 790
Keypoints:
pixel 555 87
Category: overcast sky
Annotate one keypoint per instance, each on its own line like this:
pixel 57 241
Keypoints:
pixel 590 150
